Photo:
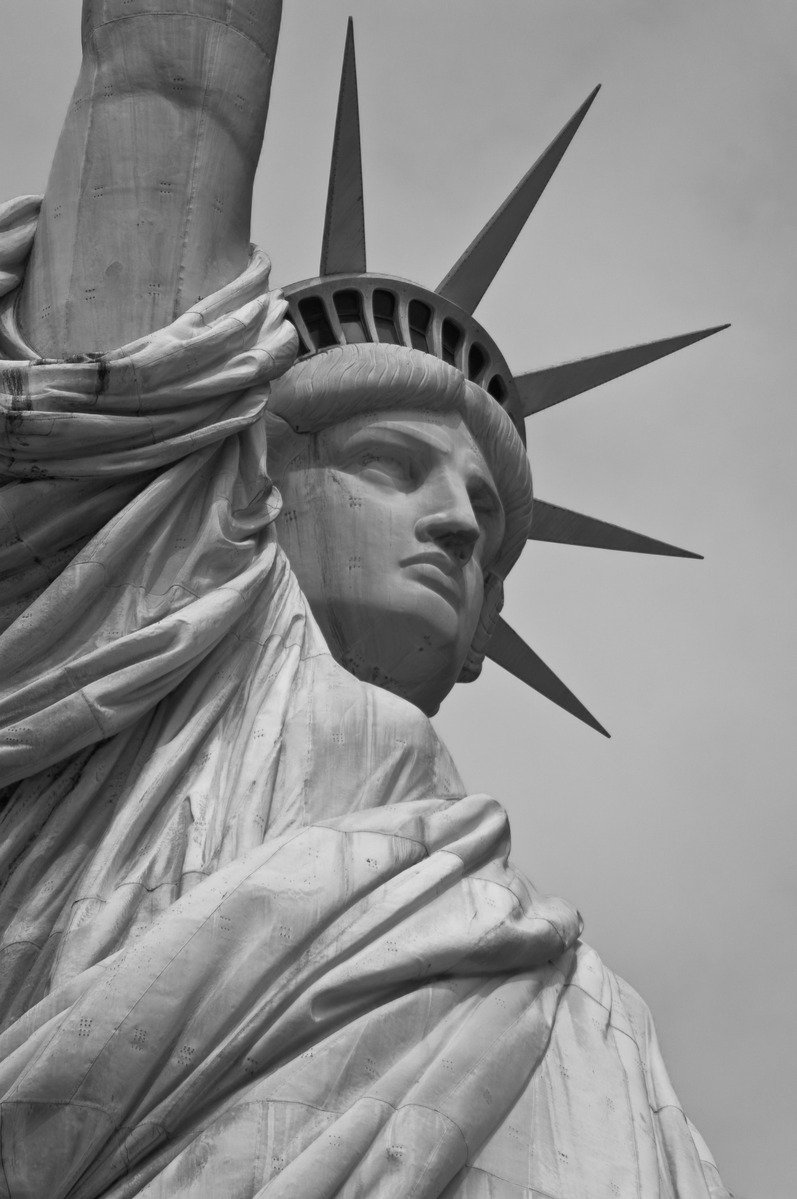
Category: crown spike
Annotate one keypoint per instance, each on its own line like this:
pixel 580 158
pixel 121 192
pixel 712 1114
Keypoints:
pixel 509 650
pixel 552 523
pixel 542 389
pixel 343 247
pixel 469 278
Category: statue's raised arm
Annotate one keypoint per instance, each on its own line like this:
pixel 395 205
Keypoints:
pixel 148 203
pixel 141 343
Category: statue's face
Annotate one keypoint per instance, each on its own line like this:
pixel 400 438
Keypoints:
pixel 390 521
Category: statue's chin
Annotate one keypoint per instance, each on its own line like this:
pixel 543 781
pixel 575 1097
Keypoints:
pixel 416 654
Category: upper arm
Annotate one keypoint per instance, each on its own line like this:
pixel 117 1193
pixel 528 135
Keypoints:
pixel 148 203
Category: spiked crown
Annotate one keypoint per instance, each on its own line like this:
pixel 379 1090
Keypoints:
pixel 347 305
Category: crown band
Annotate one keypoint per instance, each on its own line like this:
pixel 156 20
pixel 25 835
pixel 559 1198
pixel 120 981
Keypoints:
pixel 339 310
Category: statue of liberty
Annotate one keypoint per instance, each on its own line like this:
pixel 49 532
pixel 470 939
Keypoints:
pixel 256 938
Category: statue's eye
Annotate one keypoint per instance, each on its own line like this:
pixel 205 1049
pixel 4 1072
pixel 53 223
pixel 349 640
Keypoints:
pixel 484 504
pixel 385 466
pixel 490 515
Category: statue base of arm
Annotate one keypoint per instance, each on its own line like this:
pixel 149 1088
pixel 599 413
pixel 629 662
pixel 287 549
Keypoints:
pixel 148 203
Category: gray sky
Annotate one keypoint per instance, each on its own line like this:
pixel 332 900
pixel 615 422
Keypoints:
pixel 675 208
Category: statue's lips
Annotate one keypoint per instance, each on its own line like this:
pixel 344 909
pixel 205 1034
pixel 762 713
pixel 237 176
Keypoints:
pixel 439 571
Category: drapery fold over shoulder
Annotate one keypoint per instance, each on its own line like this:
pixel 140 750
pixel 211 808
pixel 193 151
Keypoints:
pixel 102 459
pixel 359 990
pixel 255 939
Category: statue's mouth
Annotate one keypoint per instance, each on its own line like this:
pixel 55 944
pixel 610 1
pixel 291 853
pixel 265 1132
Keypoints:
pixel 438 571
pixel 447 563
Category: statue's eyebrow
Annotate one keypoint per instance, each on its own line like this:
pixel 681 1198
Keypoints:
pixel 426 435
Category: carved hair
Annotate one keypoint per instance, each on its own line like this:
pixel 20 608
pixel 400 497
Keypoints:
pixel 347 381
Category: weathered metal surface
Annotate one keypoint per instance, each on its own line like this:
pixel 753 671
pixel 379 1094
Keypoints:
pixel 148 203
pixel 509 650
pixel 552 523
pixel 472 274
pixel 343 247
pixel 543 388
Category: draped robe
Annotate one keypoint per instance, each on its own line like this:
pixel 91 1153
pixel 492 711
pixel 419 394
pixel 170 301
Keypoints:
pixel 255 938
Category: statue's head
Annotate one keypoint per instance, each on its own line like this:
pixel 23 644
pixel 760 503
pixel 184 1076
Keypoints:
pixel 398 442
pixel 406 499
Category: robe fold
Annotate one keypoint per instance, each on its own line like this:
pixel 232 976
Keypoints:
pixel 255 939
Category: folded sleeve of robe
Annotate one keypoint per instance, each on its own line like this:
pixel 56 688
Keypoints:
pixel 134 508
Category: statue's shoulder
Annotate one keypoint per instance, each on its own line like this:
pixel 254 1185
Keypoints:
pixel 599 1115
pixel 623 1008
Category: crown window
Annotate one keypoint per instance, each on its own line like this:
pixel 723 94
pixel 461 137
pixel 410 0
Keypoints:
pixel 316 321
pixel 419 316
pixel 477 360
pixel 497 388
pixel 349 307
pixel 452 338
pixel 385 317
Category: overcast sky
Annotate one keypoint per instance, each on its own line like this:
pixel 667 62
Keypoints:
pixel 675 208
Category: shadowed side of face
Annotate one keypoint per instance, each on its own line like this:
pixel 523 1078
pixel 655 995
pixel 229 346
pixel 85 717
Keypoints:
pixel 390 521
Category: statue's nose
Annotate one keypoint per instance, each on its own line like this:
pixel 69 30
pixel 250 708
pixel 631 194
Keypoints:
pixel 451 524
pixel 460 544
